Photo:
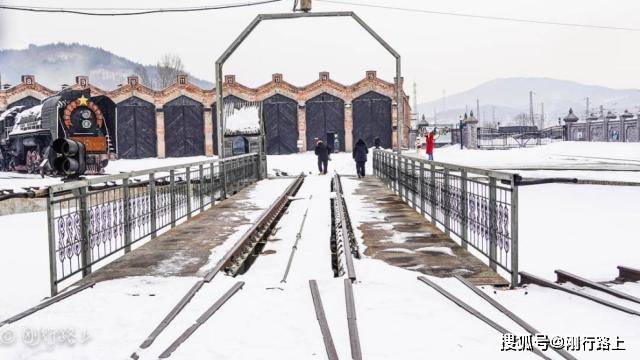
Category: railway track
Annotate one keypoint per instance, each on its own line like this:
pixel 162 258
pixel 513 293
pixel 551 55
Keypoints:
pixel 237 260
pixel 607 295
pixel 344 246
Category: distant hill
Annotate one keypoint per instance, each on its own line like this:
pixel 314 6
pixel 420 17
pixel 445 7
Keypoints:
pixel 510 97
pixel 57 64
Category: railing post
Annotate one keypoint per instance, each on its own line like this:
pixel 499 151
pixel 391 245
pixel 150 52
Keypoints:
pixel 201 186
pixel 189 190
pixel 493 224
pixel 212 192
pixel 172 192
pixel 152 205
pixel 414 184
pixel 514 233
pixel 126 198
pixel 85 230
pixel 446 200
pixel 421 184
pixel 406 179
pixel 432 191
pixel 223 179
pixel 464 203
pixel 53 265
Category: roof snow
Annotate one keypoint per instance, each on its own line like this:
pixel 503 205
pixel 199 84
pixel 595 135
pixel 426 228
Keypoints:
pixel 9 111
pixel 28 120
pixel 243 120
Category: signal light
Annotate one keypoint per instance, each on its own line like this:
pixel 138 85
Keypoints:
pixel 70 158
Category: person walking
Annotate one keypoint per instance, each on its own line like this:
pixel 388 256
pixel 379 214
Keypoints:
pixel 376 142
pixel 322 152
pixel 431 143
pixel 360 152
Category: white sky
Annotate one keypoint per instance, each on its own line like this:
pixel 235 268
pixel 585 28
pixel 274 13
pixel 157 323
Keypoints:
pixel 439 52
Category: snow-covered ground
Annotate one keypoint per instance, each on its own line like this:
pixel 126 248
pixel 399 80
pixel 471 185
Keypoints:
pixel 584 229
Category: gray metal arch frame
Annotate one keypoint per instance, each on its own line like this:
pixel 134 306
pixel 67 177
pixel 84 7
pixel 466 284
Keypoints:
pixel 249 29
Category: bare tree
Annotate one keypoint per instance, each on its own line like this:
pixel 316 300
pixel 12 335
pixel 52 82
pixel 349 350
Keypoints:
pixel 168 68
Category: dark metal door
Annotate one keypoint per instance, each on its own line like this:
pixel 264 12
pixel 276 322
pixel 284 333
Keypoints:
pixel 184 127
pixel 28 102
pixel 325 114
pixel 280 116
pixel 372 118
pixel 136 129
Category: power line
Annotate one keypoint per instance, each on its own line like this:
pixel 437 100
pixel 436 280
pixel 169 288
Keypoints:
pixel 131 11
pixel 485 17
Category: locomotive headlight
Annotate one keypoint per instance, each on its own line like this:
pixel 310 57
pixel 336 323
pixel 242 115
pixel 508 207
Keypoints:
pixel 86 114
pixel 86 124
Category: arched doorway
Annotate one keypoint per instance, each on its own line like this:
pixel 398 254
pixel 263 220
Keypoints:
pixel 280 116
pixel 325 120
pixel 136 129
pixel 184 127
pixel 372 118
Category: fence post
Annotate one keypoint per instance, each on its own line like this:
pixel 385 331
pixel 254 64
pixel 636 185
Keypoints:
pixel 189 190
pixel 421 184
pixel 223 179
pixel 152 205
pixel 53 265
pixel 126 197
pixel 432 191
pixel 493 224
pixel 172 192
pixel 514 232
pixel 414 184
pixel 85 230
pixel 212 191
pixel 406 179
pixel 446 199
pixel 464 203
pixel 201 186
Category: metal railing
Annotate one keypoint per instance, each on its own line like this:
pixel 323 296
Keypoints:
pixel 92 219
pixel 490 138
pixel 478 207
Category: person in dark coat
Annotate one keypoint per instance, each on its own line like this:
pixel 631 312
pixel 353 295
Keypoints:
pixel 360 152
pixel 376 142
pixel 322 152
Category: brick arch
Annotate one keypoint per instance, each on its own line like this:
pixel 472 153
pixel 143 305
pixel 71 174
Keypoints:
pixel 325 114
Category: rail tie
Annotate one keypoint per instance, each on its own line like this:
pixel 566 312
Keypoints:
pixel 474 312
pixel 202 319
pixel 322 321
pixel 527 278
pixel 564 276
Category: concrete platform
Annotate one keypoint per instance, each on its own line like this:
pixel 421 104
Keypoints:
pixel 186 249
pixel 400 236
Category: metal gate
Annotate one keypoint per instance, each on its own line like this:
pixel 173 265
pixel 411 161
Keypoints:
pixel 27 102
pixel 136 129
pixel 325 116
pixel 372 118
pixel 280 116
pixel 184 127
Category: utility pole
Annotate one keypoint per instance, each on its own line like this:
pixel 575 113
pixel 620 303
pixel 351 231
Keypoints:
pixel 493 114
pixel 478 109
pixel 415 97
pixel 531 108
pixel 541 116
pixel 444 100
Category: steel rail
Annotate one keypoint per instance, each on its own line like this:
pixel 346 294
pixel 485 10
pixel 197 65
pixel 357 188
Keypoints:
pixel 227 258
pixel 354 336
pixel 201 320
pixel 628 274
pixel 474 312
pixel 510 314
pixel 232 263
pixel 527 278
pixel 322 321
pixel 294 247
pixel 46 303
pixel 344 232
pixel 564 276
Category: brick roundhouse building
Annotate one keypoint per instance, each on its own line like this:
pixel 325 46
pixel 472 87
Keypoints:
pixel 180 120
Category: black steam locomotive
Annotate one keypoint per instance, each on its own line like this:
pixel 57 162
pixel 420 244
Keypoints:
pixel 68 134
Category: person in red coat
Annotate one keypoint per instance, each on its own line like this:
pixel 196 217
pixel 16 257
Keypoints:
pixel 431 140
